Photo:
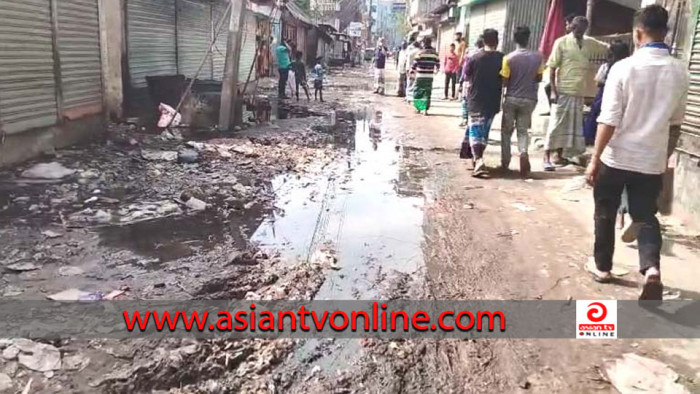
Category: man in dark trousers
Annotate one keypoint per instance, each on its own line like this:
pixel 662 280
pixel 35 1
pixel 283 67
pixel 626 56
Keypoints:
pixel 283 64
pixel 642 110
pixel 522 72
pixel 485 87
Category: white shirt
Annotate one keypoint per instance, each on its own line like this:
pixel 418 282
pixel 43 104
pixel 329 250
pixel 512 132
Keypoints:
pixel 402 61
pixel 644 96
pixel 411 56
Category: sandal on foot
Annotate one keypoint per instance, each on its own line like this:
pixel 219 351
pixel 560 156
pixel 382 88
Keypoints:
pixel 597 275
pixel 549 167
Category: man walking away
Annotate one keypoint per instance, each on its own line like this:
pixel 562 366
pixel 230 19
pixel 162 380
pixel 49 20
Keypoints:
pixel 425 65
pixel 485 86
pixel 451 67
pixel 401 65
pixel 379 64
pixel 300 75
pixel 522 72
pixel 283 63
pixel 568 64
pixel 643 107
pixel 465 90
pixel 411 53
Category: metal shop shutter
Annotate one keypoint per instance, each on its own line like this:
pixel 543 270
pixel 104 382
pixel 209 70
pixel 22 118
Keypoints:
pixel 495 18
pixel 531 13
pixel 219 51
pixel 476 23
pixel 193 36
pixel 248 47
pixel 151 39
pixel 27 85
pixel 447 34
pixel 79 50
pixel 690 138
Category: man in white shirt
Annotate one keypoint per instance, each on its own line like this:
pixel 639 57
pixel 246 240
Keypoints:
pixel 643 108
pixel 401 66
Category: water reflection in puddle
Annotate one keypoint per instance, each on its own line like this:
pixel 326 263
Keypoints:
pixel 369 210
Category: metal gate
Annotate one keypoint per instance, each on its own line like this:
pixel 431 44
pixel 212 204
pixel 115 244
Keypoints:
pixel 28 94
pixel 193 36
pixel 151 39
pixel 219 52
pixel 530 13
pixel 79 50
pixel 248 48
pixel 487 16
pixel 690 138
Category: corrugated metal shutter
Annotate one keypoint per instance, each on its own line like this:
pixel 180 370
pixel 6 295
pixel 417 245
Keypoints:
pixel 690 138
pixel 193 36
pixel 27 85
pixel 151 39
pixel 79 50
pixel 447 34
pixel 495 18
pixel 219 52
pixel 531 13
pixel 476 23
pixel 247 49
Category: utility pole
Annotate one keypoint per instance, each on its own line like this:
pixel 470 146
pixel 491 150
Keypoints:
pixel 590 5
pixel 369 25
pixel 229 87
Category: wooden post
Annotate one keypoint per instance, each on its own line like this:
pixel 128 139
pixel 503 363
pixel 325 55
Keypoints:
pixel 229 88
pixel 590 5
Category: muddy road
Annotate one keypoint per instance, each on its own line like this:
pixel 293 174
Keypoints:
pixel 359 178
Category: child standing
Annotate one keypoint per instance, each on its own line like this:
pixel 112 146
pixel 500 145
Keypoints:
pixel 300 73
pixel 318 80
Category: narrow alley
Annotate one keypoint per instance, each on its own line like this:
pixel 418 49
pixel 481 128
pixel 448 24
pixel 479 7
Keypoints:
pixel 354 198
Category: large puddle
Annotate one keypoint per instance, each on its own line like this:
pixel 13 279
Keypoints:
pixel 368 210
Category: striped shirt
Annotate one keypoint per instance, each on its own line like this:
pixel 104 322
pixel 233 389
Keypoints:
pixel 426 62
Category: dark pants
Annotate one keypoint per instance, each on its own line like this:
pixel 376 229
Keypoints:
pixel 451 78
pixel 282 86
pixel 402 85
pixel 302 83
pixel 643 191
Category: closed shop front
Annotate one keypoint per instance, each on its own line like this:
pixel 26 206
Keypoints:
pixel 79 50
pixel 151 38
pixel 530 13
pixel 50 64
pixel 27 80
pixel 445 38
pixel 248 49
pixel 194 32
pixel 219 52
pixel 687 170
pixel 489 15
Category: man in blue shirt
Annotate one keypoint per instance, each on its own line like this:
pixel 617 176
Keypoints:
pixel 283 64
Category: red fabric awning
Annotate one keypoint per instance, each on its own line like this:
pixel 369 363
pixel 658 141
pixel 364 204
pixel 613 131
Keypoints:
pixel 554 28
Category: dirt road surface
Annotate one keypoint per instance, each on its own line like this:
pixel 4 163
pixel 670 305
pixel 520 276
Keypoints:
pixel 394 204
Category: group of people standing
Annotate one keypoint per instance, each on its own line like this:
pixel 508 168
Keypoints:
pixel 292 73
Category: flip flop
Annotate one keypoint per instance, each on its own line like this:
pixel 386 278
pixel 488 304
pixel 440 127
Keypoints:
pixel 631 232
pixel 590 267
pixel 549 167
